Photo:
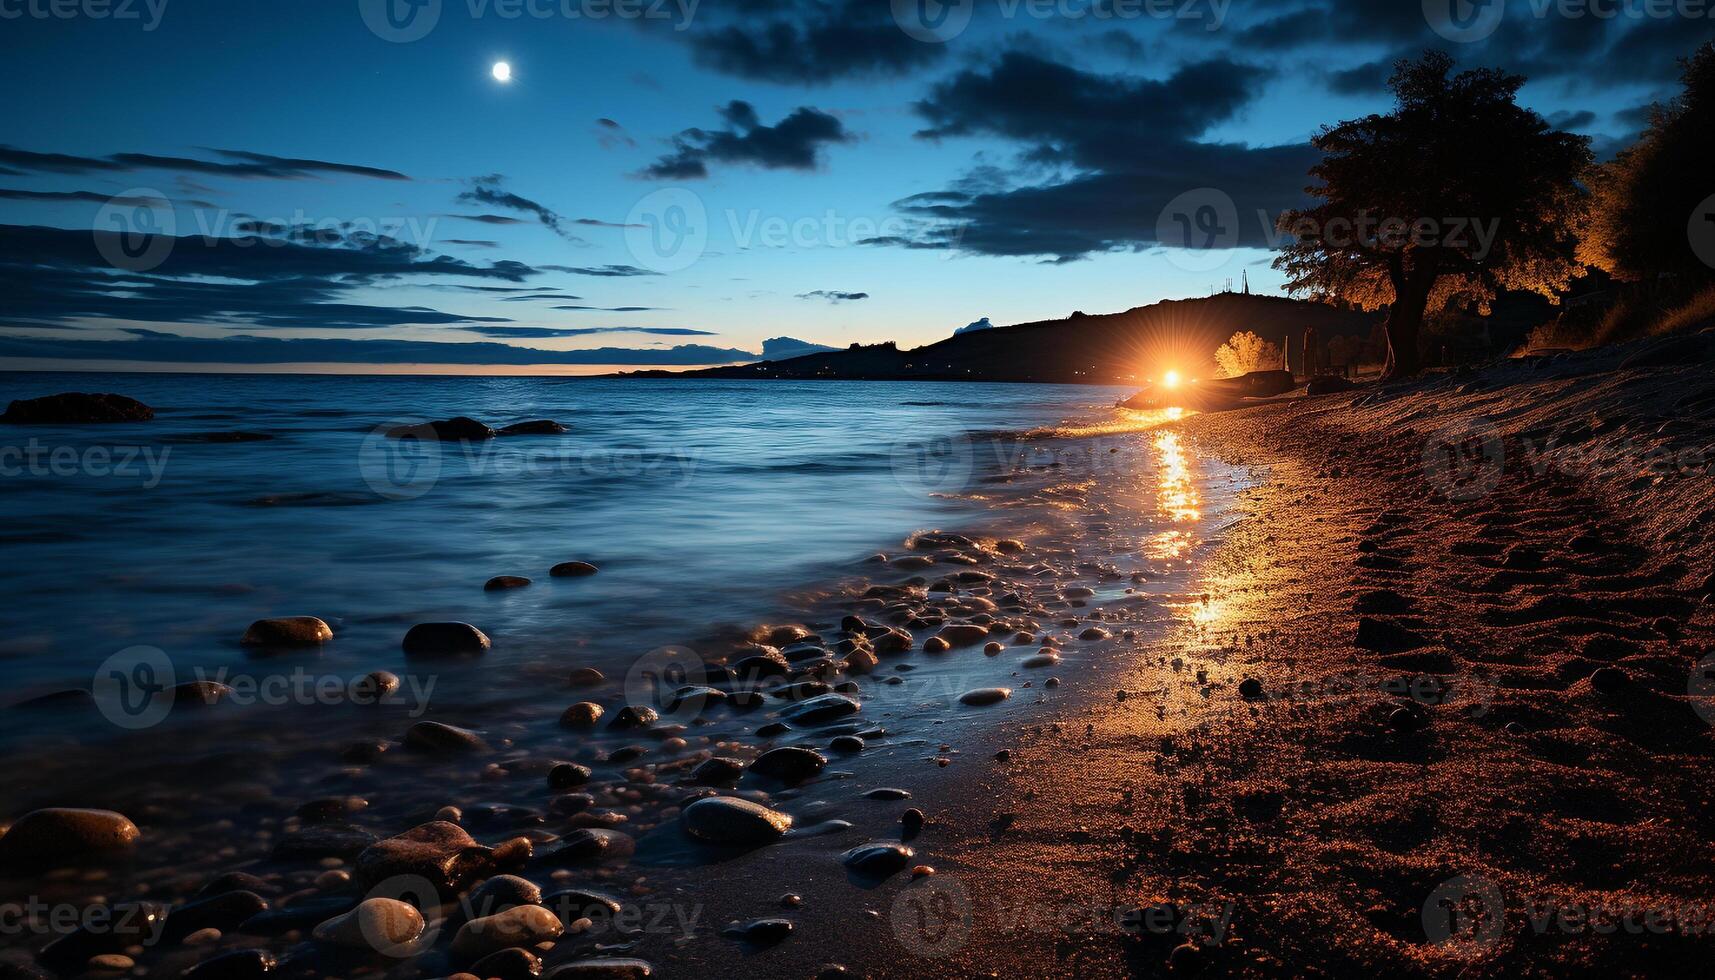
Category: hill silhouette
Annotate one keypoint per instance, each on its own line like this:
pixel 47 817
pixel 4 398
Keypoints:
pixel 1110 348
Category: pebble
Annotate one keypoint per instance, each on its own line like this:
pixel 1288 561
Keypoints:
pixel 573 569
pixel 523 925
pixel 502 582
pixel 507 964
pixel 379 924
pixel 922 871
pixel 1047 658
pixel 760 932
pixel 586 677
pixel 57 836
pixel 992 649
pixel 634 716
pixel 445 640
pixel 565 775
pixel 717 771
pixel 911 823
pixel 441 739
pixel 202 937
pixel 500 893
pixel 963 634
pixel 287 631
pixel 584 714
pixel 329 881
pixel 789 764
pixel 375 687
pixel 935 644
pixel 1094 633
pixel 440 851
pixel 983 696
pixel 111 961
pixel 847 745
pixel 729 820
pixel 820 710
pixel 887 793
pixel 878 860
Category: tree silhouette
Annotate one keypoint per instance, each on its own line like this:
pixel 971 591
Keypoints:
pixel 1457 193
pixel 1648 199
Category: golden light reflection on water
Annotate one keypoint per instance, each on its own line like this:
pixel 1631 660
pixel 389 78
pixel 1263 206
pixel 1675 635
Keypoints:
pixel 1177 497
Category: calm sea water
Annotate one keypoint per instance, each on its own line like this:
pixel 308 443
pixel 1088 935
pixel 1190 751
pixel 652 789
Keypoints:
pixel 701 502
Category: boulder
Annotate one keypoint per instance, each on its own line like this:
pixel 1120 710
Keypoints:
pixel 460 429
pixel 573 569
pixel 538 427
pixel 76 408
pixel 445 640
pixel 287 631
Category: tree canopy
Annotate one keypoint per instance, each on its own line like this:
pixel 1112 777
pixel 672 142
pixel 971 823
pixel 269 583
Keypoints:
pixel 1457 193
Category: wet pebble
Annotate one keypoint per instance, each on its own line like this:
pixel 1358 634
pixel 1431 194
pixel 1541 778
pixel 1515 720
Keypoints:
pixel 445 640
pixel 729 820
pixel 789 764
pixel 523 925
pixel 573 569
pixel 760 932
pixel 984 696
pixel 584 714
pixel 501 583
pixel 379 924
pixel 878 860
pixel 56 836
pixel 441 739
pixel 287 631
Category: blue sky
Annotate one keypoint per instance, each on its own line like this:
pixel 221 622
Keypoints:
pixel 1039 127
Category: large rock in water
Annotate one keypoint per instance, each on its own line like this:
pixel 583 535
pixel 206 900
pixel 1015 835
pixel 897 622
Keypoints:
pixel 287 631
pixel 438 851
pixel 729 820
pixel 460 429
pixel 445 640
pixel 538 427
pixel 76 408
pixel 59 836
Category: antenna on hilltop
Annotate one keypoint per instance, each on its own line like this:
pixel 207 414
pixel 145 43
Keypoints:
pixel 1246 273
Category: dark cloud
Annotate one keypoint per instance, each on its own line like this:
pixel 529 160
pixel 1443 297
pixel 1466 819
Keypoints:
pixel 1118 150
pixel 598 223
pixel 488 191
pixel 238 163
pixel 1066 115
pixel 833 295
pixel 611 135
pixel 1369 78
pixel 488 219
pixel 55 275
pixel 809 41
pixel 539 332
pixel 472 242
pixel 610 309
pixel 794 143
pixel 95 197
pixel 605 271
pixel 154 347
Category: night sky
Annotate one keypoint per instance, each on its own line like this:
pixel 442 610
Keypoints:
pixel 704 177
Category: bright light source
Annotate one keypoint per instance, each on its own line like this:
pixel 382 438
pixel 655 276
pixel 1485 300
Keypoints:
pixel 1170 379
pixel 502 71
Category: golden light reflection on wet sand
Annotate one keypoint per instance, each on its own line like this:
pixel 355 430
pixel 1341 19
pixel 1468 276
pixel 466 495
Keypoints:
pixel 1177 497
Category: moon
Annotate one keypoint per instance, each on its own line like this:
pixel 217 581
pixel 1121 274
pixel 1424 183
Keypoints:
pixel 502 71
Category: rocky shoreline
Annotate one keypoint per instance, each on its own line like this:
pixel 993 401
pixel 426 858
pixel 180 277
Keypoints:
pixel 605 849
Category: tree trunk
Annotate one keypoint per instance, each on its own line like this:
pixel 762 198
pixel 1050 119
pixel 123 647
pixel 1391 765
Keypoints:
pixel 1411 285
